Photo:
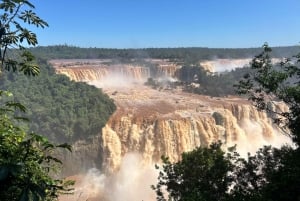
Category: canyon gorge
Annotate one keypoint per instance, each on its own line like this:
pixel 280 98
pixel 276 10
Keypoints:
pixel 151 122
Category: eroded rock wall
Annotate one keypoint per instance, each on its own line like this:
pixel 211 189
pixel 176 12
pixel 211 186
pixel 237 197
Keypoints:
pixel 181 131
pixel 165 122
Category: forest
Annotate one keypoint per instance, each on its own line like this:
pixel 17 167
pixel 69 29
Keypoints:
pixel 76 110
pixel 271 174
pixel 195 79
pixel 64 110
pixel 58 108
pixel 186 55
pixel 220 84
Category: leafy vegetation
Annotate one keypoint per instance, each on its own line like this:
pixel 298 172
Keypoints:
pixel 200 175
pixel 61 109
pixel 190 55
pixel 194 79
pixel 271 174
pixel 15 17
pixel 26 159
pixel 282 82
pixel 263 86
pixel 210 84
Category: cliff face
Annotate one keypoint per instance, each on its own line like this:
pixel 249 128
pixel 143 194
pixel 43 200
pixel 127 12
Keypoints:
pixel 86 154
pixel 149 123
pixel 166 122
pixel 95 70
pixel 156 123
pixel 88 74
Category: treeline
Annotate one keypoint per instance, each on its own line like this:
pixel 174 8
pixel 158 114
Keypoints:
pixel 210 84
pixel 195 79
pixel 61 109
pixel 220 84
pixel 188 55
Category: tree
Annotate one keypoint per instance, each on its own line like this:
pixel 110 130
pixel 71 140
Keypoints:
pixel 271 174
pixel 269 83
pixel 26 159
pixel 265 87
pixel 202 174
pixel 16 16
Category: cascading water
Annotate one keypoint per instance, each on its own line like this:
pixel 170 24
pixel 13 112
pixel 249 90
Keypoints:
pixel 150 123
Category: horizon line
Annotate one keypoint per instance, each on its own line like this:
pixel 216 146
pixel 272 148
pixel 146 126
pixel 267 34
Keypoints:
pixel 177 47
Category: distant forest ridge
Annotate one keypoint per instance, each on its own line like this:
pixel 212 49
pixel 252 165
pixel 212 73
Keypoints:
pixel 185 54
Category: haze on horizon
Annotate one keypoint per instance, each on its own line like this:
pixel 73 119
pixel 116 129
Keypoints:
pixel 169 23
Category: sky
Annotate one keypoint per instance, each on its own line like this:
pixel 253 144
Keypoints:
pixel 169 23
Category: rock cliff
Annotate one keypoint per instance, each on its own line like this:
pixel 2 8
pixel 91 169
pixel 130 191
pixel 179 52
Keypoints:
pixel 156 123
pixel 149 123
pixel 165 122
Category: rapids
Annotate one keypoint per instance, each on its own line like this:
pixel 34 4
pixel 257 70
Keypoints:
pixel 149 123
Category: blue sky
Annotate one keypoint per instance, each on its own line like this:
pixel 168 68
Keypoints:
pixel 169 23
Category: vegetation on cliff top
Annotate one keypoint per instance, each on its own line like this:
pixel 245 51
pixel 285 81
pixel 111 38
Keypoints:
pixel 220 84
pixel 187 55
pixel 60 109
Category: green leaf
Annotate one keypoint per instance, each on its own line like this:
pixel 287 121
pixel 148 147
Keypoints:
pixel 29 4
pixel 38 138
pixel 29 69
pixel 16 106
pixel 10 65
pixel 47 146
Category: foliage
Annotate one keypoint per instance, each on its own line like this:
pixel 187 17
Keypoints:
pixel 26 160
pixel 271 174
pixel 268 83
pixel 60 109
pixel 266 86
pixel 219 119
pixel 191 55
pixel 202 174
pixel 15 18
pixel 208 174
pixel 210 84
pixel 219 84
